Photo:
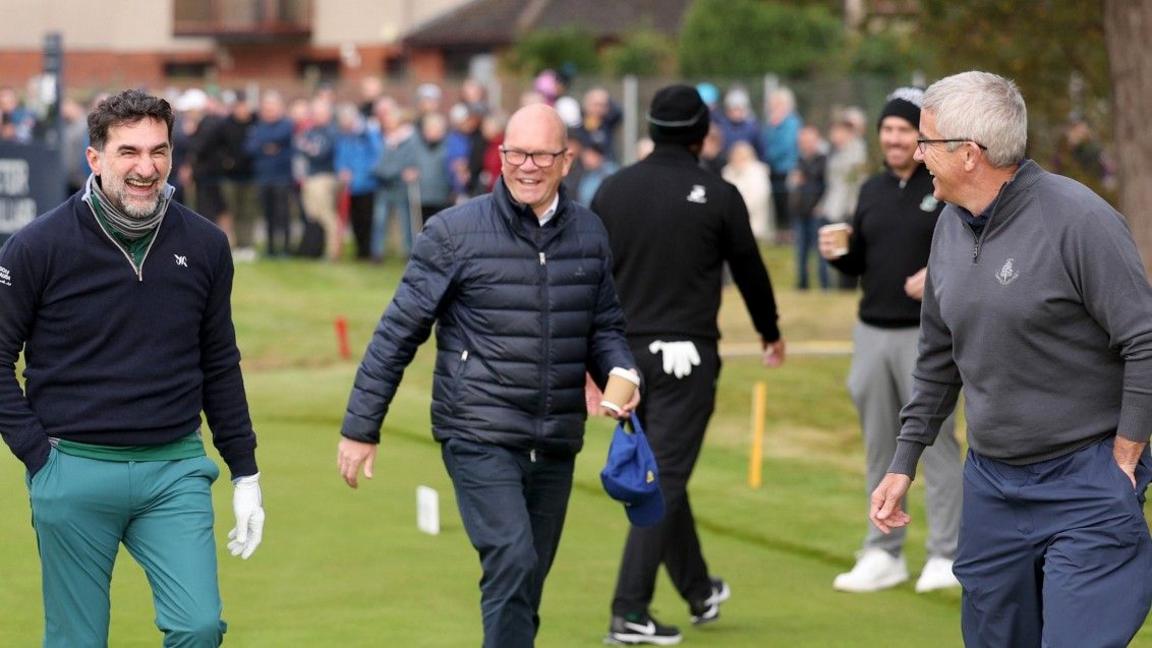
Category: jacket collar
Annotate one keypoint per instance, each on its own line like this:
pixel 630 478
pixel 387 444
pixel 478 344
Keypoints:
pixel 1006 203
pixel 670 151
pixel 521 218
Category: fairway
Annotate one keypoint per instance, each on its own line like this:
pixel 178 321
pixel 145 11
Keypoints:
pixel 349 569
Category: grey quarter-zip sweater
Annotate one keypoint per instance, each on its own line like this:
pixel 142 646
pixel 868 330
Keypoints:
pixel 1045 320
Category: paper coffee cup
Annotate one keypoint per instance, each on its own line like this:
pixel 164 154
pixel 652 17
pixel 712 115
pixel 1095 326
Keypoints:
pixel 622 384
pixel 839 233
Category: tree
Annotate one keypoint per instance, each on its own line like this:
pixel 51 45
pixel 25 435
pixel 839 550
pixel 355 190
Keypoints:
pixel 890 54
pixel 1128 30
pixel 643 53
pixel 748 38
pixel 570 49
pixel 1041 45
pixel 1090 58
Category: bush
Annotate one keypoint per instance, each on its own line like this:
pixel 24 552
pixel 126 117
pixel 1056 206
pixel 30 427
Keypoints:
pixel 569 49
pixel 887 54
pixel 642 53
pixel 733 38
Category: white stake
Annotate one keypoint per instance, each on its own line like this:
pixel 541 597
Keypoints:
pixel 428 510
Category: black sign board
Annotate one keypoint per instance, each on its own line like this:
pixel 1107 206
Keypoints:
pixel 31 183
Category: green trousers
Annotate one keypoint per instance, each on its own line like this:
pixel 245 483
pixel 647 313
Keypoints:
pixel 82 509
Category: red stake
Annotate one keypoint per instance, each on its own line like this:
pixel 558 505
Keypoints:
pixel 342 337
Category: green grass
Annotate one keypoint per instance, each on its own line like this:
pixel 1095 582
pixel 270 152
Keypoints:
pixel 348 568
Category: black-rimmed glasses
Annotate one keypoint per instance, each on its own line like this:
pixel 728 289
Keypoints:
pixel 923 142
pixel 542 159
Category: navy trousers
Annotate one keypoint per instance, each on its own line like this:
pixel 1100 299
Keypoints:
pixel 513 506
pixel 1055 553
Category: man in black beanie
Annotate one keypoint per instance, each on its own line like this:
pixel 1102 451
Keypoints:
pixel 891 233
pixel 672 226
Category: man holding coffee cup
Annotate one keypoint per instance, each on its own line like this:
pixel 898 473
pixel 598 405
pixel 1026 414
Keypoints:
pixel 887 246
pixel 673 226
pixel 519 286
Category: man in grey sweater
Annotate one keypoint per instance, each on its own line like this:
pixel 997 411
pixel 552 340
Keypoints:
pixel 1037 303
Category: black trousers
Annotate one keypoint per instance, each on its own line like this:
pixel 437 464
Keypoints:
pixel 276 200
pixel 780 206
pixel 674 413
pixel 360 208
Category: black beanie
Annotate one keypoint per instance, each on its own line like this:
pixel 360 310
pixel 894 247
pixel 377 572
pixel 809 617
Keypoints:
pixel 905 104
pixel 678 115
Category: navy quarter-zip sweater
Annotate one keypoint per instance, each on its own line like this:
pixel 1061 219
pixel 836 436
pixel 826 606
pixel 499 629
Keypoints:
pixel 113 356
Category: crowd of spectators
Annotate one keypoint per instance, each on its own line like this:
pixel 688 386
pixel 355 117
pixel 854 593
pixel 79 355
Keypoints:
pixel 319 173
pixel 310 175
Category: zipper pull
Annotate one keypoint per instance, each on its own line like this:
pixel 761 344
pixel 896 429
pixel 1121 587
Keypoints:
pixel 464 357
pixel 532 452
pixel 543 261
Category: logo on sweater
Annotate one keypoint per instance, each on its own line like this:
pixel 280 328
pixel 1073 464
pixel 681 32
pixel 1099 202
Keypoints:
pixel 929 203
pixel 181 260
pixel 5 276
pixel 1007 273
pixel 697 195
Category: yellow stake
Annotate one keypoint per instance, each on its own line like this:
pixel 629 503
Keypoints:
pixel 756 454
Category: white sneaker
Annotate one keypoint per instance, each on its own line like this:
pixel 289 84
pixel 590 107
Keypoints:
pixel 937 574
pixel 875 569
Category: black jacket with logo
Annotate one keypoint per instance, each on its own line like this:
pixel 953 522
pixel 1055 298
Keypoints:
pixel 673 226
pixel 892 233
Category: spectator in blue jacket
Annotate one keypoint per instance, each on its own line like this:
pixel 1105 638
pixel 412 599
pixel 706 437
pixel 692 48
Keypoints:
pixel 780 149
pixel 465 152
pixel 17 119
pixel 597 166
pixel 397 173
pixel 357 150
pixel 270 145
pixel 435 185
pixel 320 190
pixel 600 119
pixel 519 285
pixel 737 121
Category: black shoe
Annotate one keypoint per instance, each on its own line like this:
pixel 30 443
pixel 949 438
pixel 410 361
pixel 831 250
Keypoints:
pixel 641 628
pixel 709 609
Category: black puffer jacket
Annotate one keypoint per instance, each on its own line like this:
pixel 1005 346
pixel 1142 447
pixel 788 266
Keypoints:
pixel 522 311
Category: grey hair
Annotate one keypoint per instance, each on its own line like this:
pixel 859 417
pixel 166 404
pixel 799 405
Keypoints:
pixel 348 112
pixel 985 107
pixel 785 95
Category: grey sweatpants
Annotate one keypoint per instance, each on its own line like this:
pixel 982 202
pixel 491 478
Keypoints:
pixel 880 382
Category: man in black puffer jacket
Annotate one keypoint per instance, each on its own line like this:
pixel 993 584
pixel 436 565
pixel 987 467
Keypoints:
pixel 520 284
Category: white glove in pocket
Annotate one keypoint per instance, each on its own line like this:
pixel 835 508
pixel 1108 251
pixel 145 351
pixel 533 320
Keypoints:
pixel 679 357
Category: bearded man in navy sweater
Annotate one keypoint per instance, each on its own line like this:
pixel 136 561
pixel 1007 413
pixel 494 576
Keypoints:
pixel 120 300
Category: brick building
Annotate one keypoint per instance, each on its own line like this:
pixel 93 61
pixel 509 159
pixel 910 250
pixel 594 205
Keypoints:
pixel 154 42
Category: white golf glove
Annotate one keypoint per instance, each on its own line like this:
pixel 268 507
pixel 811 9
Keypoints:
pixel 249 510
pixel 679 357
